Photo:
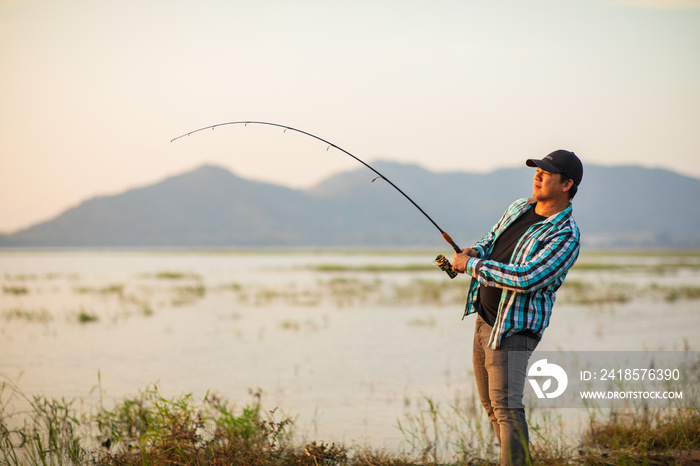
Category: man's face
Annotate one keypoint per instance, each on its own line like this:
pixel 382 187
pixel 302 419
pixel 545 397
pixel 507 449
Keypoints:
pixel 548 186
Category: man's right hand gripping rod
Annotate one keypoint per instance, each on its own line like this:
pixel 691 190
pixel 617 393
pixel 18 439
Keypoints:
pixel 442 261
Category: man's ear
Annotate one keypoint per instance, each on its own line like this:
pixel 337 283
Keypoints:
pixel 567 186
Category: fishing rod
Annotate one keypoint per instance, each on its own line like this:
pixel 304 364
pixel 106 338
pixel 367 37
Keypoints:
pixel 441 260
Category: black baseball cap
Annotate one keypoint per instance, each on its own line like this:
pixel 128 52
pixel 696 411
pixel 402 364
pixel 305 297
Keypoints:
pixel 560 161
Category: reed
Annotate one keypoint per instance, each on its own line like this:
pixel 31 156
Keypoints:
pixel 15 290
pixel 175 275
pixel 85 317
pixel 150 429
pixel 654 436
pixel 372 268
pixel 188 294
pixel 49 432
pixel 111 289
pixel 29 315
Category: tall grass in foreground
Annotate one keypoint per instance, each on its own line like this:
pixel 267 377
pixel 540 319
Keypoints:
pixel 654 436
pixel 48 432
pixel 149 429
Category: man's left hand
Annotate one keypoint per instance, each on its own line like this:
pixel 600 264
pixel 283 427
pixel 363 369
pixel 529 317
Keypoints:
pixel 459 260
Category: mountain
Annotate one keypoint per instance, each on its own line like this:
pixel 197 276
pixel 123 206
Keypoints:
pixel 208 206
pixel 620 206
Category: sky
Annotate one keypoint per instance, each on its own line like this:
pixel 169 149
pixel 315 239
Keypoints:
pixel 93 91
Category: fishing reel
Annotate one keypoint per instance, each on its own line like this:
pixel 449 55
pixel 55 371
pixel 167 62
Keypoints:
pixel 445 265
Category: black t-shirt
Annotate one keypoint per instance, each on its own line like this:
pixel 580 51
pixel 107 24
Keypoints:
pixel 490 296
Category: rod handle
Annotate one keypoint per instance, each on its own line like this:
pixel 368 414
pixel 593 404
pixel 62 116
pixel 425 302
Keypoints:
pixel 448 238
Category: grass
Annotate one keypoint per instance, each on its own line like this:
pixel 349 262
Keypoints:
pixel 15 290
pixel 173 275
pixel 188 294
pixel 642 436
pixel 290 325
pixel 85 317
pixel 424 291
pixel 29 315
pixel 146 309
pixel 372 268
pixel 48 433
pixel 111 289
pixel 379 284
pixel 585 293
pixel 347 291
pixel 663 268
pixel 591 261
pixel 682 292
pixel 150 429
pixel 429 321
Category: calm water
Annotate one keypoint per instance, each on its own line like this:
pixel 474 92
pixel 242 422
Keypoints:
pixel 347 349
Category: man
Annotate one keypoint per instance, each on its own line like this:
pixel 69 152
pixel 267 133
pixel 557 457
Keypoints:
pixel 516 270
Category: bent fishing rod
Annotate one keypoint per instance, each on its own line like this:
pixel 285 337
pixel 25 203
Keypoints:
pixel 441 260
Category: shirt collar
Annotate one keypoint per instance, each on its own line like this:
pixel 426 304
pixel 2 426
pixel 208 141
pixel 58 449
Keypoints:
pixel 555 217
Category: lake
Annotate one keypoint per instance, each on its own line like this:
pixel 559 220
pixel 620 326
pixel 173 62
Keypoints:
pixel 347 342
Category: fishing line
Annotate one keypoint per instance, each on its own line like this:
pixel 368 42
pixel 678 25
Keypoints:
pixel 386 198
pixel 443 263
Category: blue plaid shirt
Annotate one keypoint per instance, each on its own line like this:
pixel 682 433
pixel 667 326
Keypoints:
pixel 539 264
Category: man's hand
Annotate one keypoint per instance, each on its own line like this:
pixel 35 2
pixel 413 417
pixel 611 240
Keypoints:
pixel 459 260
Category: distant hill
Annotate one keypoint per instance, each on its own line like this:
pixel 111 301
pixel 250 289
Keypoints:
pixel 621 206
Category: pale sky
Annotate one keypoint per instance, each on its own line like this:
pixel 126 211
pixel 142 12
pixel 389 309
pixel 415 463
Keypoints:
pixel 92 91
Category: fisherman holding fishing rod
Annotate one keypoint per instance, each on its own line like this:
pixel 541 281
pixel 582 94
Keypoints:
pixel 516 270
